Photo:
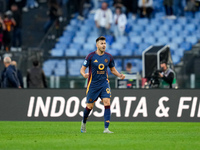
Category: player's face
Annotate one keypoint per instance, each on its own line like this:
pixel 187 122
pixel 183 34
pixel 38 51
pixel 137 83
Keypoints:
pixel 101 45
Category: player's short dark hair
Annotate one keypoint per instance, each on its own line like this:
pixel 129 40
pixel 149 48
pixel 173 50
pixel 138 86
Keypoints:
pixel 100 38
pixel 129 65
pixel 35 63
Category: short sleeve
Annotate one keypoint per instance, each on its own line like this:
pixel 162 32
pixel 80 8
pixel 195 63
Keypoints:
pixel 112 63
pixel 86 62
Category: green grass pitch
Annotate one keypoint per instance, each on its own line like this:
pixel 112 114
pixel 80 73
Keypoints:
pixel 128 135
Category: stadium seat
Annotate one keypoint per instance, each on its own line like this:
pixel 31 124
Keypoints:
pixel 176 59
pixel 184 33
pixel 84 52
pixel 151 28
pixel 142 21
pixel 131 46
pixel 178 39
pixel 82 34
pixel 65 40
pixel 57 52
pixel 61 46
pixel 89 46
pixel 165 27
pixel 164 40
pixel 114 52
pixel 186 46
pixel 182 21
pixel 126 52
pixel 190 27
pixel 172 34
pixel 177 27
pixel 109 39
pixel 122 40
pixel 159 34
pixel 92 40
pixel 173 46
pixel 136 39
pixel 150 40
pixel 138 28
pixel 71 52
pixel 191 39
pixel 79 39
pixel 76 46
pixel 133 33
pixel 117 46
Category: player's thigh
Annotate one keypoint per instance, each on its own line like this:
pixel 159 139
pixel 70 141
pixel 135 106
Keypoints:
pixel 93 95
pixel 105 92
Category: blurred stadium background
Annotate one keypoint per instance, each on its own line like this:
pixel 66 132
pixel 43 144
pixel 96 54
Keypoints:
pixel 63 48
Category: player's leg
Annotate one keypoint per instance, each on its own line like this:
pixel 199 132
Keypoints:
pixel 92 96
pixel 87 110
pixel 106 102
pixel 86 113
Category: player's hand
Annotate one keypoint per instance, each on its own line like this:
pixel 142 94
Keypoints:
pixel 122 76
pixel 86 75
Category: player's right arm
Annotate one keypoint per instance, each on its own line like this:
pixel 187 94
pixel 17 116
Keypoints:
pixel 82 71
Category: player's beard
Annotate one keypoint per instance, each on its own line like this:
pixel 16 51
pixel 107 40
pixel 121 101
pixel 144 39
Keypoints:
pixel 102 49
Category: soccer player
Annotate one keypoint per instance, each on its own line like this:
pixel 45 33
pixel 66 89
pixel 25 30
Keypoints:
pixel 98 83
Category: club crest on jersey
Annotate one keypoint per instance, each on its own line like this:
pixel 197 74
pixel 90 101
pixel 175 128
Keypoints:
pixel 106 60
pixel 101 66
pixel 96 60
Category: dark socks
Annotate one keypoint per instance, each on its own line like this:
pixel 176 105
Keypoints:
pixel 107 116
pixel 86 114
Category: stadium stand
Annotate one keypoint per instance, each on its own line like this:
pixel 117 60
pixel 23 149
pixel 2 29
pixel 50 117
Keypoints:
pixel 78 39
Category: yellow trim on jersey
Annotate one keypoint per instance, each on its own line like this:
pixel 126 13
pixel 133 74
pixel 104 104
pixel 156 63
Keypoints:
pixel 89 84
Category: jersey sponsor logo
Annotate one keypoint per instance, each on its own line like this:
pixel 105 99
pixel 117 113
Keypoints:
pixel 85 62
pixel 96 60
pixel 100 72
pixel 101 66
pixel 106 60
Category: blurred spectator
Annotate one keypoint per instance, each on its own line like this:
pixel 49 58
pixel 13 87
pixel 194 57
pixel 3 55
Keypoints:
pixel 119 3
pixel 36 77
pixel 95 4
pixel 128 69
pixel 31 4
pixel 135 8
pixel 168 4
pixel 19 74
pixel 77 6
pixel 103 19
pixel 2 28
pixel 17 35
pixel 146 8
pixel 7 34
pixel 20 4
pixel 178 8
pixel 2 6
pixel 119 22
pixel 80 10
pixel 10 79
pixel 198 4
pixel 53 14
pixel 191 6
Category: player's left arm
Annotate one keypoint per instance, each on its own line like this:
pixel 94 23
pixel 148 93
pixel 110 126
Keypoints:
pixel 116 73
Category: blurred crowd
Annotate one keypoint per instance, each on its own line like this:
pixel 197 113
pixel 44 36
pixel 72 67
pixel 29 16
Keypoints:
pixel 11 76
pixel 116 15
